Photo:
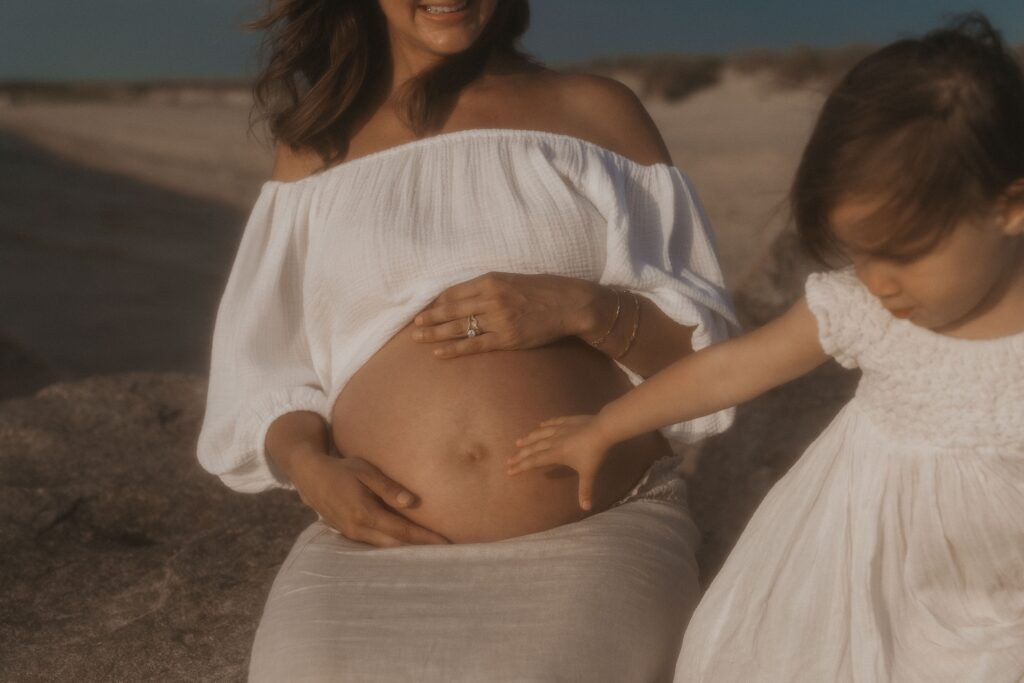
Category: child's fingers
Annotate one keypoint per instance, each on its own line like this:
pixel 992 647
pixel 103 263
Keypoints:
pixel 553 421
pixel 527 451
pixel 586 491
pixel 536 435
pixel 532 460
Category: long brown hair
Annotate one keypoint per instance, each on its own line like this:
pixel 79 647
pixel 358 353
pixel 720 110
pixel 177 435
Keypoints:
pixel 930 126
pixel 324 59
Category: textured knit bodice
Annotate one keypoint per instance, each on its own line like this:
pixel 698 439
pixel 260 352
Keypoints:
pixel 920 387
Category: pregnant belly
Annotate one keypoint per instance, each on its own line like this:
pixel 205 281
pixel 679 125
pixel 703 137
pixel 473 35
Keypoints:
pixel 444 429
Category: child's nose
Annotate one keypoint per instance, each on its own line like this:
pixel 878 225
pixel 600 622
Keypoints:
pixel 878 277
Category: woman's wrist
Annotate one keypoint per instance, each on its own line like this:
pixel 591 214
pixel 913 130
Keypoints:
pixel 611 321
pixel 294 440
pixel 295 463
pixel 598 312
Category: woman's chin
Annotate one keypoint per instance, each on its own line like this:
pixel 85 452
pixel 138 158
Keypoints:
pixel 448 33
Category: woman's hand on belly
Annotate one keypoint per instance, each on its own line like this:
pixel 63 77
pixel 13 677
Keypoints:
pixel 349 494
pixel 513 311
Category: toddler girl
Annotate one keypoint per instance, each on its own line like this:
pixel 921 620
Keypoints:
pixel 894 549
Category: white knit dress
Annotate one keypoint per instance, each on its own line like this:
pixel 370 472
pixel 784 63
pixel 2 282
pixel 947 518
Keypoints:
pixel 894 549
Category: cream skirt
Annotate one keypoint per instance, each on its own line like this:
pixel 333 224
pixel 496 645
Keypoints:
pixel 603 599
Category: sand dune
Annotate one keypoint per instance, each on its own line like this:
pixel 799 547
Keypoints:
pixel 201 150
pixel 740 143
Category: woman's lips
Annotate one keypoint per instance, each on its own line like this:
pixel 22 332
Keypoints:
pixel 445 11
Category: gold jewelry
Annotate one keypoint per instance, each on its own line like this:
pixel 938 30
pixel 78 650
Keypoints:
pixel 636 326
pixel 473 328
pixel 615 319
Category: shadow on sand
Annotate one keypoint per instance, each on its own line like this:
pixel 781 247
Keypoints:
pixel 100 273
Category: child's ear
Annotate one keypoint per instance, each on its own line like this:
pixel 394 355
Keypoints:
pixel 1012 208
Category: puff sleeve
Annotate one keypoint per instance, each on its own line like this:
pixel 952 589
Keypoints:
pixel 850 320
pixel 261 365
pixel 659 245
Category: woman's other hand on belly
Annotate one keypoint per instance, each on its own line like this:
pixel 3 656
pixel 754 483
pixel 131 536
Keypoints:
pixel 511 311
pixel 358 500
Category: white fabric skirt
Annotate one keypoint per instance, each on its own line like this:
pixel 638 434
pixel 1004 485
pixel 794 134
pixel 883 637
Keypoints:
pixel 872 561
pixel 603 599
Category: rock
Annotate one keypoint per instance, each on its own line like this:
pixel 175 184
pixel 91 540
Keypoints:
pixel 123 560
pixel 776 282
pixel 21 372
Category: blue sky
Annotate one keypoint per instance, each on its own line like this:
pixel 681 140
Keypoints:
pixel 139 39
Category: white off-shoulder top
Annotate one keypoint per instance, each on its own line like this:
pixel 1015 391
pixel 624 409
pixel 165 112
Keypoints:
pixel 331 266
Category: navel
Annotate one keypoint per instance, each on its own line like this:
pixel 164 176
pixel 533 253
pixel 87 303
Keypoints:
pixel 472 452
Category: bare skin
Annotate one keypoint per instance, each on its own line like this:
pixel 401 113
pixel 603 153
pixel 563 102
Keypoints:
pixel 426 425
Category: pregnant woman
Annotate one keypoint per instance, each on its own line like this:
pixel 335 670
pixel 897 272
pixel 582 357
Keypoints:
pixel 456 244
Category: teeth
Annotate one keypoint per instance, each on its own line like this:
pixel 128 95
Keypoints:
pixel 446 9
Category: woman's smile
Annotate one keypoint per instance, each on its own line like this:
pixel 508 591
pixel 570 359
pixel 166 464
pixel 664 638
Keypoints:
pixel 446 11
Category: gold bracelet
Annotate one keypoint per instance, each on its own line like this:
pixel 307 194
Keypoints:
pixel 615 319
pixel 636 326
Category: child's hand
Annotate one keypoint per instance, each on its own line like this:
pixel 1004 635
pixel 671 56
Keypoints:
pixel 573 441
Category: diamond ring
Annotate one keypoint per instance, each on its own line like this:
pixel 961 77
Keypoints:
pixel 474 326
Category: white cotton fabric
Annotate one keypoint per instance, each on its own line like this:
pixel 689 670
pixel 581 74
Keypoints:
pixel 330 267
pixel 893 551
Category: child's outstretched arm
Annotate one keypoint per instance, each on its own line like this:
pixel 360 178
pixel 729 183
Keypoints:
pixel 699 384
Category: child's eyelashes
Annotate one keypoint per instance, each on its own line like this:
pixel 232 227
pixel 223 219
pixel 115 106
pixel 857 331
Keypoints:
pixel 859 256
pixel 902 258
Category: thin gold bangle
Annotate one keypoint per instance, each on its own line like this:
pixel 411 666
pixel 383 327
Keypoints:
pixel 636 326
pixel 615 319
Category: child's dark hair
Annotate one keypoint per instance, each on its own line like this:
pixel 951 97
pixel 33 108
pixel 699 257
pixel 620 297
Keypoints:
pixel 933 127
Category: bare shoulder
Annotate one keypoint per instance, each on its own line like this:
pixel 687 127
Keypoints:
pixel 606 112
pixel 294 164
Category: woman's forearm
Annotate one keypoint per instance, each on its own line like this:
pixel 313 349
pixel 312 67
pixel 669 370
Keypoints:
pixel 295 439
pixel 658 340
